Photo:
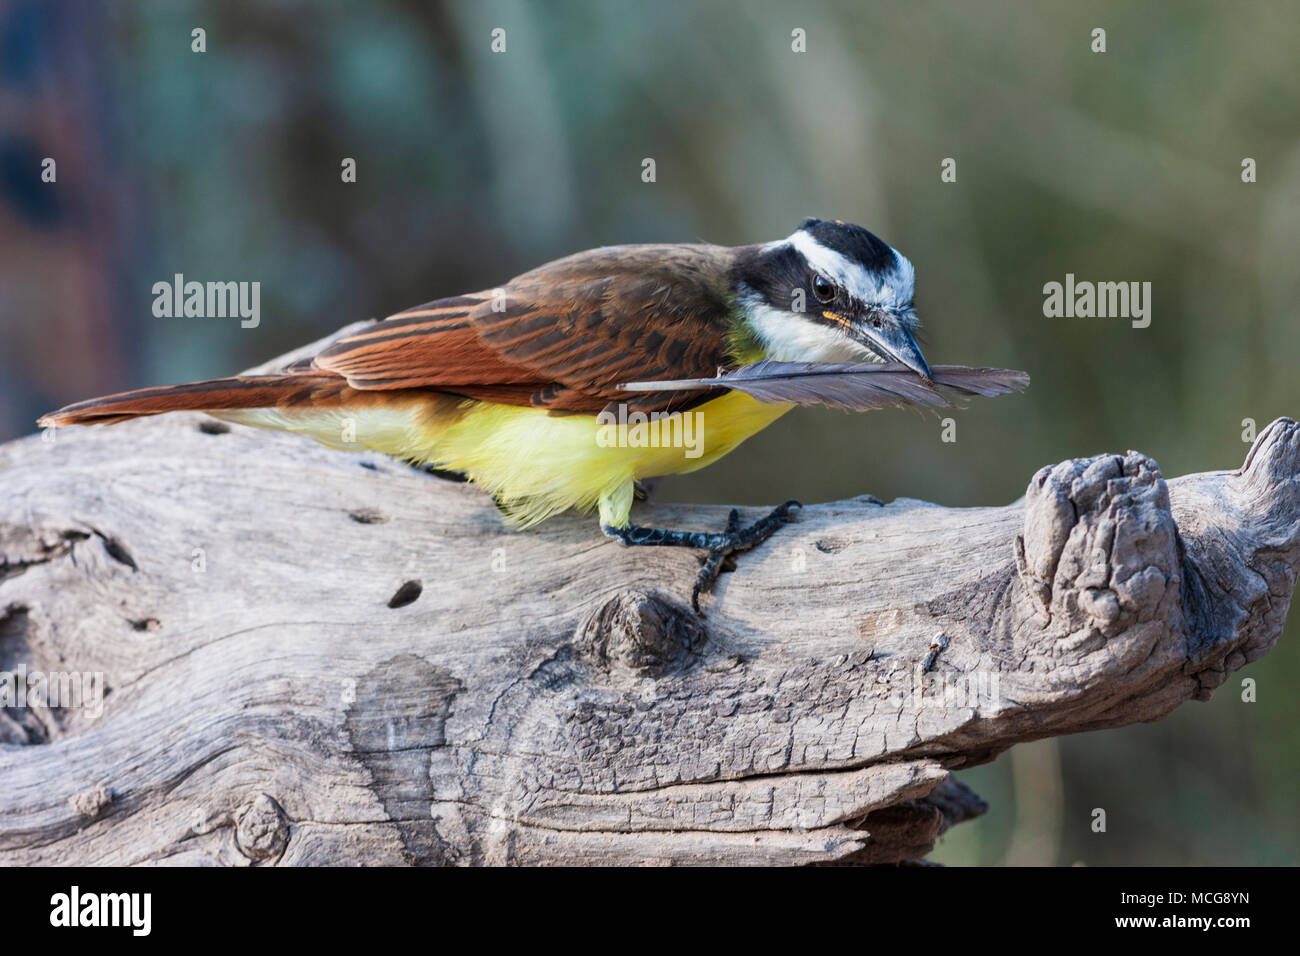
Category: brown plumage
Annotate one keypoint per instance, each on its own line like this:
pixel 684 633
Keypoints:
pixel 561 337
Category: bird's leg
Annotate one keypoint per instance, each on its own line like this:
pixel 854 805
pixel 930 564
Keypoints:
pixel 713 561
pixel 718 545
pixel 446 474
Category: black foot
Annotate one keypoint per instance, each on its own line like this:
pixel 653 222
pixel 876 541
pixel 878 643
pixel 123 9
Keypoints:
pixel 443 473
pixel 719 546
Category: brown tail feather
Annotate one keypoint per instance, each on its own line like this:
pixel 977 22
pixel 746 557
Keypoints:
pixel 262 391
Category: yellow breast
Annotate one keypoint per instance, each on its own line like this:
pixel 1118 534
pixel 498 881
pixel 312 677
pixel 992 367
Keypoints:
pixel 536 463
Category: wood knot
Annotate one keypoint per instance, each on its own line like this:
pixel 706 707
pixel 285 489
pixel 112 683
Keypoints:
pixel 92 802
pixel 641 631
pixel 261 829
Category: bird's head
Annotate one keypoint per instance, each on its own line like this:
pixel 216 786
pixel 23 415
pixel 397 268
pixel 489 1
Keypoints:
pixel 830 292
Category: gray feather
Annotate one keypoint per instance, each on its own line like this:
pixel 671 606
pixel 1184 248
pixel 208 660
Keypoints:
pixel 850 386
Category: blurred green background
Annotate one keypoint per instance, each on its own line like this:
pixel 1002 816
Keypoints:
pixel 474 166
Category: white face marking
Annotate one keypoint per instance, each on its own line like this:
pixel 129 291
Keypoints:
pixel 791 341
pixel 893 289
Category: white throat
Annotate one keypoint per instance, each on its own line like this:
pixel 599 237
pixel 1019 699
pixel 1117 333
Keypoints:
pixel 788 337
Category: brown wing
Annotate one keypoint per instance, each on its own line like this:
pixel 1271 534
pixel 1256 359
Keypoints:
pixel 562 336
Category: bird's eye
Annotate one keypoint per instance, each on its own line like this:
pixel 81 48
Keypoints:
pixel 823 288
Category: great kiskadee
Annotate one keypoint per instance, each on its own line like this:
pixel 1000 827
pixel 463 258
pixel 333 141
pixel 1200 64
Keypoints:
pixel 506 387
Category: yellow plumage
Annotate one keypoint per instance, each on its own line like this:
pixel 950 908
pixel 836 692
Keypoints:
pixel 534 462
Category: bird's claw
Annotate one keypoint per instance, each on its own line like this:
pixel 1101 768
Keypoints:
pixel 733 541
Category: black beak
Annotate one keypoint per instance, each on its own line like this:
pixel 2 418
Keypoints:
pixel 885 334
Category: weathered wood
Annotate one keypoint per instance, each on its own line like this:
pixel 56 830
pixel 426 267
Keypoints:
pixel 316 656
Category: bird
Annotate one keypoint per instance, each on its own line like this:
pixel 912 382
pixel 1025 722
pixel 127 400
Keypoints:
pixel 509 387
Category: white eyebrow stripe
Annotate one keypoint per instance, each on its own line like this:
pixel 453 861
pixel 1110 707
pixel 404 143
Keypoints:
pixel 894 289
pixel 905 281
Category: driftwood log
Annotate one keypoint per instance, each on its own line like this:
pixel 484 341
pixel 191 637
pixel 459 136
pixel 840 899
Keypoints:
pixel 312 656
